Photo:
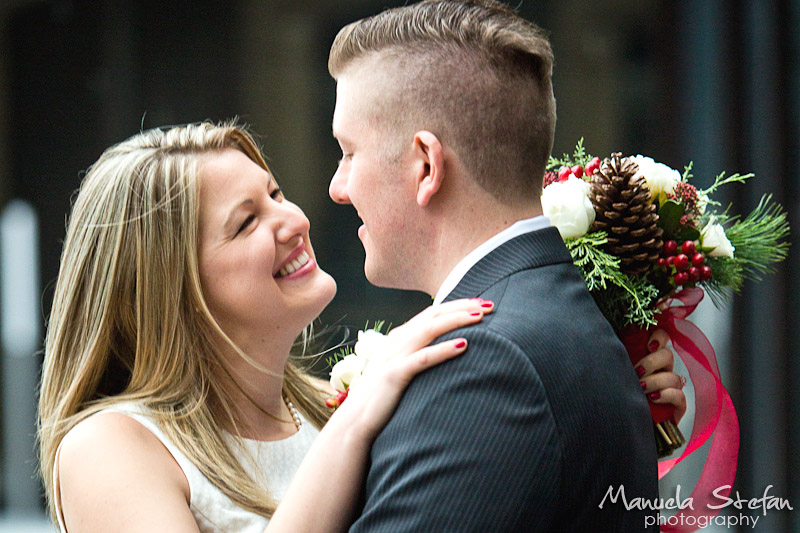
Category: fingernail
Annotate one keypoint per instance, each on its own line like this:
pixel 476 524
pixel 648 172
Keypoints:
pixel 476 313
pixel 643 384
pixel 653 346
pixel 655 396
pixel 487 304
pixel 461 343
pixel 640 370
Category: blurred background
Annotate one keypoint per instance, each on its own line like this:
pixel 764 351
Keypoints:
pixel 711 81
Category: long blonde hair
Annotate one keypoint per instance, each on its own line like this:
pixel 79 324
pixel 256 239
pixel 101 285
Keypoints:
pixel 129 321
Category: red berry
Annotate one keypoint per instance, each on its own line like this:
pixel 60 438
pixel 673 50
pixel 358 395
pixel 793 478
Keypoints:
pixel 698 259
pixel 681 278
pixel 681 262
pixel 705 273
pixel 341 397
pixel 670 247
pixel 563 173
pixel 694 274
pixel 662 262
pixel 671 260
pixel 577 170
pixel 331 402
pixel 688 247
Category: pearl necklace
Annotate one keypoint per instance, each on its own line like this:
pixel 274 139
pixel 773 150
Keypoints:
pixel 294 412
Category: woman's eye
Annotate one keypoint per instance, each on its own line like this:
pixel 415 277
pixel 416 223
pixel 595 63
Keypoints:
pixel 277 194
pixel 246 223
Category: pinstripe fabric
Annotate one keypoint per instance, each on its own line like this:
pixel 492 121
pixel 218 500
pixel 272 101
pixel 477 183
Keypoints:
pixel 528 429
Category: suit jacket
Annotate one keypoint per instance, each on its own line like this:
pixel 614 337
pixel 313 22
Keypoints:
pixel 530 428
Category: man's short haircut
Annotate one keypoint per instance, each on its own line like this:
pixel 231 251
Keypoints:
pixel 474 73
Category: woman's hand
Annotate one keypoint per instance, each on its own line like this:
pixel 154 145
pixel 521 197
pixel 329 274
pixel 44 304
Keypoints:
pixel 658 380
pixel 338 456
pixel 407 352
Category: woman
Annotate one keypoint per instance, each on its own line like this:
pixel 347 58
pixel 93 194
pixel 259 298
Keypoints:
pixel 169 400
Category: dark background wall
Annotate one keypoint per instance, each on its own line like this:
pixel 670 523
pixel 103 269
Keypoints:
pixel 713 81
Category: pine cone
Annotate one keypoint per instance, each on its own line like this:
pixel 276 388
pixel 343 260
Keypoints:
pixel 624 211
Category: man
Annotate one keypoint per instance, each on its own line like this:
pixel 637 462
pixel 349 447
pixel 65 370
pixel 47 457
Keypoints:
pixel 445 115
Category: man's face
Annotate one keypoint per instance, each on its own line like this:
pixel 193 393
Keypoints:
pixel 374 176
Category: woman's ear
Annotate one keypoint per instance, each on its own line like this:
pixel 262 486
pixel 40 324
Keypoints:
pixel 430 155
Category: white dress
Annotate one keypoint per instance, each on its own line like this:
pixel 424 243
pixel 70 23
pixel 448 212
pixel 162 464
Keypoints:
pixel 272 464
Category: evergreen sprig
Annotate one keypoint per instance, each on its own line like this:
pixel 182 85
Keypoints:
pixel 578 157
pixel 599 269
pixel 726 280
pixel 759 239
pixel 622 299
pixel 719 181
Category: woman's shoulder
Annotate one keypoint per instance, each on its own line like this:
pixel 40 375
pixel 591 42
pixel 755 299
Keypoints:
pixel 108 433
pixel 110 459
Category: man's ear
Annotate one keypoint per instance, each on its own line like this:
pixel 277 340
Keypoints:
pixel 430 174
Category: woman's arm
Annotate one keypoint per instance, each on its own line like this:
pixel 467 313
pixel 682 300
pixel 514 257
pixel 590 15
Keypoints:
pixel 324 492
pixel 115 475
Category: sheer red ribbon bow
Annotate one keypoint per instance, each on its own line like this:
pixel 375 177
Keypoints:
pixel 714 413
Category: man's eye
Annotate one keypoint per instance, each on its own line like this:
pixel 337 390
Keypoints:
pixel 246 223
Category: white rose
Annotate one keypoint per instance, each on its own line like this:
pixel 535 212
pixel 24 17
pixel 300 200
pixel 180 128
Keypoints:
pixel 713 236
pixel 346 372
pixel 660 178
pixel 567 205
pixel 370 344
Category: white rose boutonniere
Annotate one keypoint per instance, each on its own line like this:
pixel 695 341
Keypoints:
pixel 567 205
pixel 346 373
pixel 660 178
pixel 713 237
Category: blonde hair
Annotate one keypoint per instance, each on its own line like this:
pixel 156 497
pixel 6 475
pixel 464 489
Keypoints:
pixel 129 321
pixel 474 73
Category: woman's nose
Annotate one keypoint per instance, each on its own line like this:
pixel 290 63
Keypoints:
pixel 294 223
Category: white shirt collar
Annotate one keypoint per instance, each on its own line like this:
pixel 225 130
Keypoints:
pixel 518 228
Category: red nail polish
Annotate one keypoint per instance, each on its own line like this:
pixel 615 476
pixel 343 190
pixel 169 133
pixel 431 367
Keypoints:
pixel 655 396
pixel 476 313
pixel 653 346
pixel 643 384
pixel 487 305
pixel 640 371
pixel 461 344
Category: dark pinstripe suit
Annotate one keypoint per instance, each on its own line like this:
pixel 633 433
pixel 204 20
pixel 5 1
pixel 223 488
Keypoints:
pixel 528 429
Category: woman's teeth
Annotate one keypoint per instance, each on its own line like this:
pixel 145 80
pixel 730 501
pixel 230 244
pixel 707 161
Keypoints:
pixel 293 265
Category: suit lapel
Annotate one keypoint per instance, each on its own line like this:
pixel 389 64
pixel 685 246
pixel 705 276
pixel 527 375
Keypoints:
pixel 530 250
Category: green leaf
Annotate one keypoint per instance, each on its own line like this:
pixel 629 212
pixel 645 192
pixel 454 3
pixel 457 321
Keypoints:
pixel 669 216
pixel 687 233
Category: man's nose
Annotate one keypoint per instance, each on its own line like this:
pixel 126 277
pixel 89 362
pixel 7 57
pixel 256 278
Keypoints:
pixel 338 189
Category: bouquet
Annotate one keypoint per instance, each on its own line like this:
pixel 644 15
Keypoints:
pixel 649 245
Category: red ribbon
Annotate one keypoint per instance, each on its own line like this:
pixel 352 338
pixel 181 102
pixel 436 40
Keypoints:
pixel 714 413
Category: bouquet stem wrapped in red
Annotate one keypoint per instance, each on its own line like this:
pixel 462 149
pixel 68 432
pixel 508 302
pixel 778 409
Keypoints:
pixel 668 437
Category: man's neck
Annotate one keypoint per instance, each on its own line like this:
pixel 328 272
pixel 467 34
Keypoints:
pixel 458 236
